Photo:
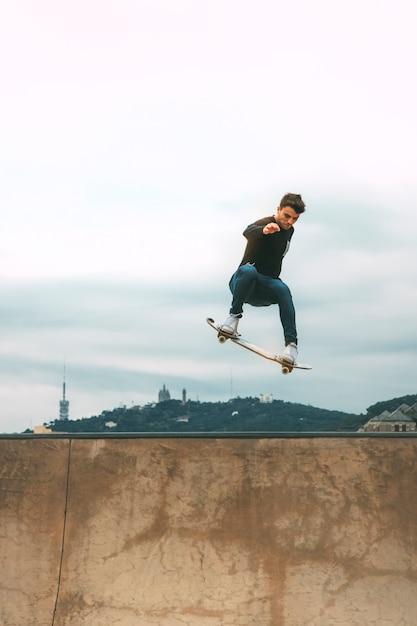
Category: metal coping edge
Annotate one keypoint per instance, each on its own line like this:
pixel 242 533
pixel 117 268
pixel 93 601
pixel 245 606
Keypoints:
pixel 215 435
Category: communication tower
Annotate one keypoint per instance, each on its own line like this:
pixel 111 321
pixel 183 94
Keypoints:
pixel 63 404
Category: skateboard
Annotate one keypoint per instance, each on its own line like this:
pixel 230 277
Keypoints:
pixel 286 368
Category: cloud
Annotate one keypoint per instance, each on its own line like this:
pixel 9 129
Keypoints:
pixel 134 153
pixel 121 341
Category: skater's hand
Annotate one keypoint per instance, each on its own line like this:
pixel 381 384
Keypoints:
pixel 272 227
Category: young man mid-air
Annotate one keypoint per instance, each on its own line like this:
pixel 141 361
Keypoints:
pixel 257 281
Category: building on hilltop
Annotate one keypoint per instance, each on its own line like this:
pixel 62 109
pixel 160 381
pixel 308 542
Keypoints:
pixel 164 395
pixel 399 421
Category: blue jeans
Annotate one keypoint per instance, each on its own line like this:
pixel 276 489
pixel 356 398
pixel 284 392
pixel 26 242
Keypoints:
pixel 249 286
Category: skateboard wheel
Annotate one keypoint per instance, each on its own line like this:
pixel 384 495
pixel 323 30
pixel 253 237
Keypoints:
pixel 221 339
pixel 286 370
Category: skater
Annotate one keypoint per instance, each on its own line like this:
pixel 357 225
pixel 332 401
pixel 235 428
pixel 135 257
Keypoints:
pixel 257 281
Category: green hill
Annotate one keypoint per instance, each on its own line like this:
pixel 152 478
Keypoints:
pixel 390 405
pixel 237 415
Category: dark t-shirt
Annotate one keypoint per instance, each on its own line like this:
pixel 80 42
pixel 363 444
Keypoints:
pixel 266 252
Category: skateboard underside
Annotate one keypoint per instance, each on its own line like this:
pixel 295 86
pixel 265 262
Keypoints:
pixel 286 367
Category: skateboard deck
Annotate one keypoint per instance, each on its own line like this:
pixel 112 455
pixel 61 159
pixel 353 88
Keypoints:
pixel 286 367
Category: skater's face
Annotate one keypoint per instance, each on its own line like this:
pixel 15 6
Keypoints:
pixel 286 217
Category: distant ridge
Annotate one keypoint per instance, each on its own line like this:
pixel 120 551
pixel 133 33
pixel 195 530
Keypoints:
pixel 236 415
pixel 390 405
pixel 239 414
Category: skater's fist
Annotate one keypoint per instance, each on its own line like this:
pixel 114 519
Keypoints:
pixel 272 227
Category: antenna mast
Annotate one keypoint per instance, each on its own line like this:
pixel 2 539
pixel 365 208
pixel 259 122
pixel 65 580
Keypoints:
pixel 63 404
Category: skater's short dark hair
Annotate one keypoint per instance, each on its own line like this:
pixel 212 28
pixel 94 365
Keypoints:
pixel 293 200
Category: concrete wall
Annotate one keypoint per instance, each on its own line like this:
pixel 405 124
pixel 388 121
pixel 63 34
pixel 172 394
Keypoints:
pixel 208 532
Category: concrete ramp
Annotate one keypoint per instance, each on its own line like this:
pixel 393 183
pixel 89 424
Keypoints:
pixel 290 531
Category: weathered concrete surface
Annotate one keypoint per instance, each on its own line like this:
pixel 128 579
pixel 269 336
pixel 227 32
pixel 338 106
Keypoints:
pixel 218 532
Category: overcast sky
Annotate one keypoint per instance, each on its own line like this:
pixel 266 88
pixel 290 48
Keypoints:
pixel 138 140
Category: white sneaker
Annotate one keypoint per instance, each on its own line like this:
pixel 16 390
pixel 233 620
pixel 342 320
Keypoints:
pixel 290 353
pixel 230 325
